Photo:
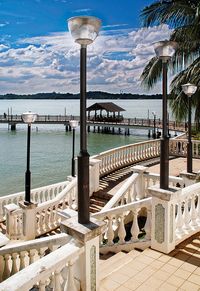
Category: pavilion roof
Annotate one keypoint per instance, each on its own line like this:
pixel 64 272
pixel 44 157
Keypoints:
pixel 108 106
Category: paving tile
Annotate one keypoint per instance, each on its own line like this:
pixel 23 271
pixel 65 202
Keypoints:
pixel 164 258
pixel 130 272
pixel 188 267
pixel 109 284
pixel 157 264
pixel 118 277
pixel 145 259
pixel 194 261
pixel 167 287
pixel 137 265
pixel 142 276
pixel 152 254
pixel 122 288
pixel 154 282
pixel 189 286
pixel 182 256
pixel 162 275
pixel 132 284
pixel 175 281
pixel 145 287
pixel 197 271
pixel 175 262
pixel 168 268
pixel 182 274
pixel 194 279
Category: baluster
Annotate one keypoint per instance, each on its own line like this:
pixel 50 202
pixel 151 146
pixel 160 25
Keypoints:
pixel 47 220
pixel 48 194
pixel 198 207
pixel 57 281
pixel 41 252
pixel 135 228
pixel 55 217
pixel 70 284
pixel 6 272
pixel 147 226
pixel 41 224
pixel 42 284
pixel 135 191
pixel 70 201
pixel 186 215
pixel 121 230
pixel 22 260
pixel 129 195
pixel 14 263
pixel 110 232
pixel 179 218
pixel 193 212
pixel 32 254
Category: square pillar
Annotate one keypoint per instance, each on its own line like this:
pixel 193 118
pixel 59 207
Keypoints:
pixel 94 175
pixel 11 220
pixel 29 220
pixel 163 218
pixel 141 181
pixel 88 236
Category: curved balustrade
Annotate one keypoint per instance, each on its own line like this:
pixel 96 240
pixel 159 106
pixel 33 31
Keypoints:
pixel 187 205
pixel 178 147
pixel 115 237
pixel 38 195
pixel 117 158
pixel 16 257
pixel 54 271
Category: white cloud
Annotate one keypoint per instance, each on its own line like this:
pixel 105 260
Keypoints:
pixel 4 24
pixel 51 63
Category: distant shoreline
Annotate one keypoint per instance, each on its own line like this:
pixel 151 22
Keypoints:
pixel 90 95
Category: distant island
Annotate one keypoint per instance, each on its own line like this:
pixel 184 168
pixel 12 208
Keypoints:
pixel 90 95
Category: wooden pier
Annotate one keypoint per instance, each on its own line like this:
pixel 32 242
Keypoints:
pixel 110 126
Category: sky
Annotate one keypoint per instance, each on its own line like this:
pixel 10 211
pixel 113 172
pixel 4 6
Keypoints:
pixel 38 54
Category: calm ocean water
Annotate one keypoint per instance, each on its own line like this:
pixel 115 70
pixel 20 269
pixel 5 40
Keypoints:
pixel 51 145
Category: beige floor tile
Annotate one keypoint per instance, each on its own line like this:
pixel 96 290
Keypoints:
pixel 152 254
pixel 164 258
pixel 118 277
pixel 145 287
pixel 188 267
pixel 154 282
pixel 175 262
pixel 142 276
pixel 175 281
pixel 145 259
pixel 182 274
pixel 136 265
pixel 130 272
pixel 162 275
pixel 157 264
pixel 197 271
pixel 194 279
pixel 122 288
pixel 109 284
pixel 189 286
pixel 167 287
pixel 168 268
pixel 183 256
pixel 194 261
pixel 132 284
pixel 102 289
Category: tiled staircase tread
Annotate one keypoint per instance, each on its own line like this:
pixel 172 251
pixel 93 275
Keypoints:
pixel 116 264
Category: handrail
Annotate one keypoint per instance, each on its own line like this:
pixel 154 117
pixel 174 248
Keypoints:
pixel 45 270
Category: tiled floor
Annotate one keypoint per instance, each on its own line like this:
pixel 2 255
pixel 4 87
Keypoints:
pixel 151 270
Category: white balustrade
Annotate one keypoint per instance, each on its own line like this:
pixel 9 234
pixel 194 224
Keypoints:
pixel 38 195
pixel 46 213
pixel 187 220
pixel 18 256
pixel 117 236
pixel 58 270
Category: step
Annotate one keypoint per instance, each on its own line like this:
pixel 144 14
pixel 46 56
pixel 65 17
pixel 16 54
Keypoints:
pixel 113 264
pixel 97 202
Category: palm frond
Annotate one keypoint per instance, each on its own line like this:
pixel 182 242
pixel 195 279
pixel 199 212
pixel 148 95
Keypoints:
pixel 151 73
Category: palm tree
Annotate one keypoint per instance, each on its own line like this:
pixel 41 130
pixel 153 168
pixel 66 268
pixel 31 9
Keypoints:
pixel 184 17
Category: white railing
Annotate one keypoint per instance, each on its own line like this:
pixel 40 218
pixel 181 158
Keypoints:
pixel 47 218
pixel 38 195
pixel 120 157
pixel 16 257
pixel 116 237
pixel 151 179
pixel 178 147
pixel 187 219
pixel 55 271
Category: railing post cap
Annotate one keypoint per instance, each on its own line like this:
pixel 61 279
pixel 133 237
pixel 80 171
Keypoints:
pixel 139 169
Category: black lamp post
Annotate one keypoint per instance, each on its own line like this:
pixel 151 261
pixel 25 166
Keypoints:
pixel 84 30
pixel 164 50
pixel 29 118
pixel 73 124
pixel 154 124
pixel 189 90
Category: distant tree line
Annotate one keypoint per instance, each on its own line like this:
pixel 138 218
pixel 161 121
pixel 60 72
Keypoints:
pixel 90 95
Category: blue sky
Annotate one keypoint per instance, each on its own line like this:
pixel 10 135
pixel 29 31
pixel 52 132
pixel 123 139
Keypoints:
pixel 37 53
